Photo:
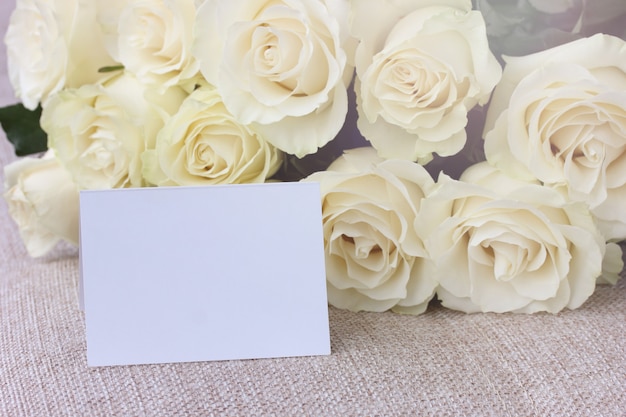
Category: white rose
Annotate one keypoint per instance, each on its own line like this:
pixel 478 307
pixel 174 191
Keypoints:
pixel 152 39
pixel 43 201
pixel 421 66
pixel 507 245
pixel 52 44
pixel 560 116
pixel 203 144
pixel 341 10
pixel 279 67
pixel 99 131
pixel 374 258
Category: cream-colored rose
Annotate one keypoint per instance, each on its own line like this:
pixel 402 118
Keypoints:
pixel 52 44
pixel 99 131
pixel 560 116
pixel 421 66
pixel 152 39
pixel 341 10
pixel 279 66
pixel 203 144
pixel 487 176
pixel 374 259
pixel 43 201
pixel 506 245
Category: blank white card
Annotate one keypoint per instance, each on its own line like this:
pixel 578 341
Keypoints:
pixel 187 274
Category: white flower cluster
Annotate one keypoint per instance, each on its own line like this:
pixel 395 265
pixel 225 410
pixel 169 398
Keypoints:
pixel 199 92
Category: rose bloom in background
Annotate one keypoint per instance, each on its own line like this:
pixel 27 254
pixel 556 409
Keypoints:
pixel 43 201
pixel 203 144
pixel 374 258
pixel 507 245
pixel 152 39
pixel 53 44
pixel 279 67
pixel 420 66
pixel 559 116
pixel 99 131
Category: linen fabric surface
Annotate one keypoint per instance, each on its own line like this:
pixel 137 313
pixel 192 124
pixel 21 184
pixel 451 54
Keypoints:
pixel 441 363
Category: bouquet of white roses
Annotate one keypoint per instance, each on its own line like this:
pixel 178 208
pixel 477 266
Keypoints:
pixel 383 102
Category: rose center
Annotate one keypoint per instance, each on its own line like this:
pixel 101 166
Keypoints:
pixel 363 246
pixel 592 153
pixel 210 154
pixel 148 31
pixel 507 259
pixel 408 79
pixel 97 157
pixel 275 55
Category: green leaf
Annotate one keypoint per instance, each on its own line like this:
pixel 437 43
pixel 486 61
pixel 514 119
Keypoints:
pixel 111 68
pixel 23 130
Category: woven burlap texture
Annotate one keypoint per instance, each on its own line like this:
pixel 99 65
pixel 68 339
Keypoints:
pixel 442 363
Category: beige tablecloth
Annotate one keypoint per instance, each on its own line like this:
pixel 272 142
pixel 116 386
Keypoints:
pixel 441 363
